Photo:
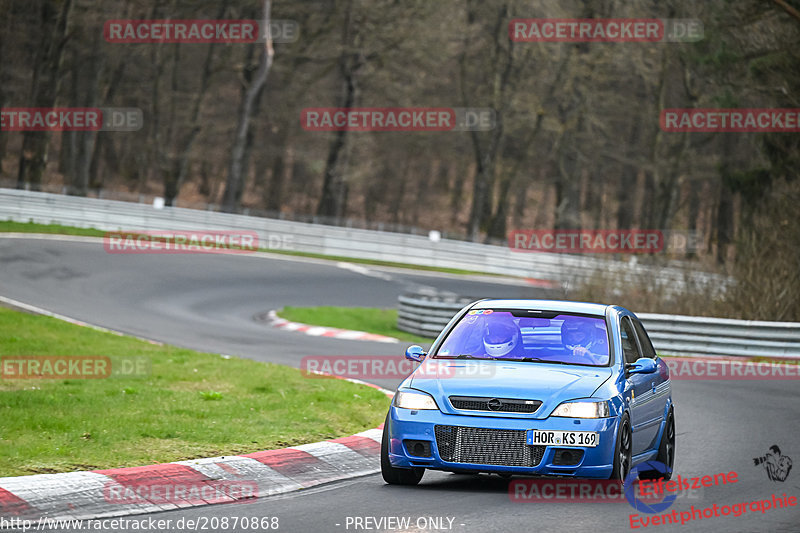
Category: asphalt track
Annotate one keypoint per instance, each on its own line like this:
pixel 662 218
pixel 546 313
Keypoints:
pixel 208 302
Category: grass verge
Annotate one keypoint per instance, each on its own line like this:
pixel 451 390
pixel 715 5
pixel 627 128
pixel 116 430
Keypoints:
pixel 188 405
pixel 371 320
pixel 7 226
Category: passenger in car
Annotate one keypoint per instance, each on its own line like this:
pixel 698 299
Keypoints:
pixel 583 339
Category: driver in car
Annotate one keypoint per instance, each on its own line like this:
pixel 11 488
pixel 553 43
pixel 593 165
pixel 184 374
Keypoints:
pixel 581 338
pixel 503 339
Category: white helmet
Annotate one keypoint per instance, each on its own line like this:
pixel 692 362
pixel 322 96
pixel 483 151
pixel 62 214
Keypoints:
pixel 499 338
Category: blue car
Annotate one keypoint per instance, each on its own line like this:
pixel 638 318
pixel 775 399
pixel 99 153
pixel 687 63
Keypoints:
pixel 533 387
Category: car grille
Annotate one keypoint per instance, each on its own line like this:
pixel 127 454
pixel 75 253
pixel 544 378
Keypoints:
pixel 484 446
pixel 505 405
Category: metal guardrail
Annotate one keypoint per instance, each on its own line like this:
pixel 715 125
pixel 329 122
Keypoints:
pixel 111 215
pixel 671 334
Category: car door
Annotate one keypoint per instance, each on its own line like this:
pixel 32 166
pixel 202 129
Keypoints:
pixel 658 381
pixel 638 391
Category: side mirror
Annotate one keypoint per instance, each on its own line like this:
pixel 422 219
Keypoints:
pixel 643 365
pixel 415 353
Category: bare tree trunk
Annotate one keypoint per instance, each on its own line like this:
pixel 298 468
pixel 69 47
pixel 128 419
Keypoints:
pixel 3 95
pixel 724 223
pixel 103 144
pixel 282 168
pixel 174 179
pixel 693 214
pixel 397 203
pixel 86 140
pixel 248 152
pixel 273 192
pixel 69 139
pixel 724 233
pixel 332 203
pixel 236 169
pixel 457 190
pixel 646 212
pixel 44 90
pixel 498 222
pixel 568 188
pixel 520 204
pixel 168 161
pixel 627 182
pixel 151 158
pixel 486 153
pixel 668 148
pixel 424 186
pixel 594 189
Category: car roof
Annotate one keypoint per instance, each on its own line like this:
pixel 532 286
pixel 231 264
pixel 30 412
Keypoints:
pixel 545 305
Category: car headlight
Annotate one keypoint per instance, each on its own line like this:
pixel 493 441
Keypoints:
pixel 582 410
pixel 414 400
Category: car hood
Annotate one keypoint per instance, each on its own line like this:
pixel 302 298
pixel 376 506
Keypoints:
pixel 549 383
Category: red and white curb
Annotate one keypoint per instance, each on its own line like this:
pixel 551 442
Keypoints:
pixel 320 331
pixel 240 478
pixel 228 479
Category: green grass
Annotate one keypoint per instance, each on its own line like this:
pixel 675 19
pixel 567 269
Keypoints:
pixel 375 262
pixel 32 227
pixel 189 405
pixel 7 226
pixel 371 320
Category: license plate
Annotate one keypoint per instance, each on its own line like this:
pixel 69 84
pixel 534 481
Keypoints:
pixel 584 439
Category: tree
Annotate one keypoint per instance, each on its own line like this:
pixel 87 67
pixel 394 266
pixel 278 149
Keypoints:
pixel 333 202
pixel 44 88
pixel 251 93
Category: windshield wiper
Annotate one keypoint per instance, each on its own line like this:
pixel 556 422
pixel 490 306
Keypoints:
pixel 468 356
pixel 540 360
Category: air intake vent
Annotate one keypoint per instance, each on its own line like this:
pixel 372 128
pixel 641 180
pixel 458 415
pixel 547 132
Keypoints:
pixel 499 405
pixel 483 446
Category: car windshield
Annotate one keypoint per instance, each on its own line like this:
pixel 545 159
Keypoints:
pixel 504 335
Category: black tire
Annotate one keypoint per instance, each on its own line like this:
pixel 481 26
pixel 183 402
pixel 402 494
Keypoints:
pixel 666 451
pixel 623 450
pixel 392 475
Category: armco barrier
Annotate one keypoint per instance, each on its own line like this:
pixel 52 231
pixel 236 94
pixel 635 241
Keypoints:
pixel 671 334
pixel 46 208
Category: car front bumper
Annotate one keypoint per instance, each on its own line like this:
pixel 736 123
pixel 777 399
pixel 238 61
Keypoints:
pixel 488 433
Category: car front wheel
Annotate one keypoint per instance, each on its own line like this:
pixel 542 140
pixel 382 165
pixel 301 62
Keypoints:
pixel 392 475
pixel 622 451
